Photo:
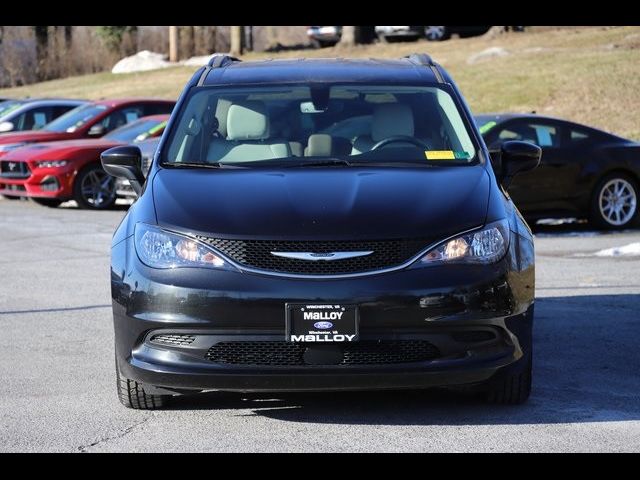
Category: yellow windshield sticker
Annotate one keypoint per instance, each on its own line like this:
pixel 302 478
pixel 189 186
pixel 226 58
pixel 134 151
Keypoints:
pixel 440 155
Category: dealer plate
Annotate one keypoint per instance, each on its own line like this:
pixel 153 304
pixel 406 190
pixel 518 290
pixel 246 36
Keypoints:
pixel 321 323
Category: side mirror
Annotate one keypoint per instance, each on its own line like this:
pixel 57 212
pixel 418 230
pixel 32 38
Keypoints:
pixel 6 127
pixel 125 162
pixel 517 157
pixel 97 130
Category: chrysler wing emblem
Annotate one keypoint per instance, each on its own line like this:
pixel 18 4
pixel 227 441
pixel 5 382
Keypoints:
pixel 314 256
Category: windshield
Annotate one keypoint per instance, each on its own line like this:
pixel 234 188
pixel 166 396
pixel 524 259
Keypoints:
pixel 136 131
pixel 9 106
pixel 76 118
pixel 485 123
pixel 304 124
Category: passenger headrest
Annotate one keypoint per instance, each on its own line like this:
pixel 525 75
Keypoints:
pixel 319 145
pixel 391 119
pixel 247 121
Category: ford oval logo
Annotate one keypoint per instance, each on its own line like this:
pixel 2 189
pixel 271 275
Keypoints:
pixel 323 325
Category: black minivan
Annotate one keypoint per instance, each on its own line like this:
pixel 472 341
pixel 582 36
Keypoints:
pixel 329 224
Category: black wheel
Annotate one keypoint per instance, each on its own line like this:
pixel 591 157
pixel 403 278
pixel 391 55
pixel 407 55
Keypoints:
pixel 94 188
pixel 10 197
pixel 435 33
pixel 47 202
pixel 133 395
pixel 614 204
pixel 514 389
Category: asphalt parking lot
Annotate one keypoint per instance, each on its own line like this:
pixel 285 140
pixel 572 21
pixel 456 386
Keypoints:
pixel 58 385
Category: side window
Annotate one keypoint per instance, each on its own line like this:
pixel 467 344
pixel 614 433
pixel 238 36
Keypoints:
pixel 57 111
pixel 121 117
pixel 577 136
pixel 33 119
pixel 157 108
pixel 547 135
pixel 541 134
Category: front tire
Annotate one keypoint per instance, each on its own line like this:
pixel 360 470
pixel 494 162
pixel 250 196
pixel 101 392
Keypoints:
pixel 514 389
pixel 94 188
pixel 614 204
pixel 47 202
pixel 133 395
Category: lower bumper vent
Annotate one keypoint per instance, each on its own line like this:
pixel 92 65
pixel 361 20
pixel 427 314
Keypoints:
pixel 170 339
pixel 268 353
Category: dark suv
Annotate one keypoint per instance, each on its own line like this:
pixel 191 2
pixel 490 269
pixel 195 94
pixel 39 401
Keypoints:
pixel 321 225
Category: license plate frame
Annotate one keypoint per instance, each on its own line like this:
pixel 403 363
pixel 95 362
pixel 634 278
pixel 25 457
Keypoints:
pixel 343 329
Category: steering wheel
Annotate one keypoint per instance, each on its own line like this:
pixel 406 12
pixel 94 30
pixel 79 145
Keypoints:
pixel 400 139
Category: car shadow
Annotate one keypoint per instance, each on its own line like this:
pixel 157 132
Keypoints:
pixel 585 370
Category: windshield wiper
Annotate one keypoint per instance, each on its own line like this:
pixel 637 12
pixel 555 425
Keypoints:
pixel 330 162
pixel 199 165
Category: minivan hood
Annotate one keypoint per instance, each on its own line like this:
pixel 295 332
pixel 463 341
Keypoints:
pixel 323 203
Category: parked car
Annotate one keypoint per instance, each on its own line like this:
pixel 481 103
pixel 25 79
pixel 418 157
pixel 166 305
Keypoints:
pixel 263 255
pixel 33 114
pixel 51 173
pixel 91 120
pixel 324 36
pixel 584 172
pixel 147 150
pixel 430 32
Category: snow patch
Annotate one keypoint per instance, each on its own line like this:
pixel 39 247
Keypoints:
pixel 141 61
pixel 198 61
pixel 632 249
pixel 487 54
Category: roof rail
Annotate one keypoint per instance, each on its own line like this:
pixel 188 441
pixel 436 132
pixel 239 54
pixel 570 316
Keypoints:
pixel 222 60
pixel 421 59
pixel 425 60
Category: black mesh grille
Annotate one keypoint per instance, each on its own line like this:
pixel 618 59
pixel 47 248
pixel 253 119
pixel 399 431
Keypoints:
pixel 257 254
pixel 14 169
pixel 170 339
pixel 292 354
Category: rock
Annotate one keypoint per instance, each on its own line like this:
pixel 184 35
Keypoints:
pixel 141 61
pixel 489 53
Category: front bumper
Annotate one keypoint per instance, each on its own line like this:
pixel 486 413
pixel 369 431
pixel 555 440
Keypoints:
pixel 55 182
pixel 430 304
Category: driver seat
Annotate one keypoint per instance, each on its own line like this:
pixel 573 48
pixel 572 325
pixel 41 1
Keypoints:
pixel 389 120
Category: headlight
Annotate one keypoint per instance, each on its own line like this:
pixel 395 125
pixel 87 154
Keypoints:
pixel 11 146
pixel 158 248
pixel 484 246
pixel 51 163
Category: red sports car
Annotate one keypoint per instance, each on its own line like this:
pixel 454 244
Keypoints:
pixel 91 120
pixel 51 173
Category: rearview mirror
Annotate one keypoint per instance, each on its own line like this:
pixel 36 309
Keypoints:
pixel 125 162
pixel 97 130
pixel 517 157
pixel 6 127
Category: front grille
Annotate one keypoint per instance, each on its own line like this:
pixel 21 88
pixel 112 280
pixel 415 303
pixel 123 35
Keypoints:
pixel 257 254
pixel 171 339
pixel 14 169
pixel 265 353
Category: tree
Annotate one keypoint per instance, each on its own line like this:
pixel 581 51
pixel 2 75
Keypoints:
pixel 113 36
pixel 173 44
pixel 187 37
pixel 348 36
pixel 237 37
